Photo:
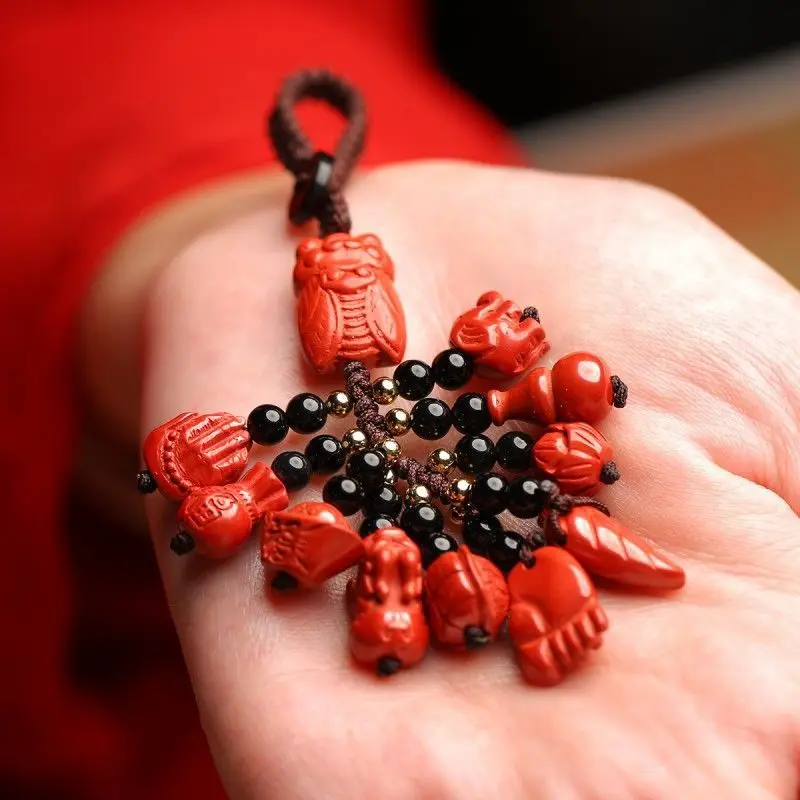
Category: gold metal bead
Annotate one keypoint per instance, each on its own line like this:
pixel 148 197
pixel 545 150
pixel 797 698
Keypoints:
pixel 355 439
pixel 441 461
pixel 384 390
pixel 390 477
pixel 391 449
pixel 457 513
pixel 417 493
pixel 398 421
pixel 339 404
pixel 460 490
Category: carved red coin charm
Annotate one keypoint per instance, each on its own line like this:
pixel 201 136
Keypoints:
pixel 388 631
pixel 500 336
pixel 577 457
pixel 554 618
pixel 194 450
pixel 221 518
pixel 311 542
pixel 608 549
pixel 347 308
pixel 466 598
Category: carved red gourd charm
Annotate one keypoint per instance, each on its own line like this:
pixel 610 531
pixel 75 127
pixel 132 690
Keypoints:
pixel 500 336
pixel 347 307
pixel 554 617
pixel 466 598
pixel 388 631
pixel 577 457
pixel 219 519
pixel 609 549
pixel 310 542
pixel 194 450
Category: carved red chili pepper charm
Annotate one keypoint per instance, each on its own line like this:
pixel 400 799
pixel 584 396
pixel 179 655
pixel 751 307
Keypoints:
pixel 579 388
pixel 500 336
pixel 347 307
pixel 554 618
pixel 194 450
pixel 466 598
pixel 388 630
pixel 608 549
pixel 219 519
pixel 577 457
pixel 310 542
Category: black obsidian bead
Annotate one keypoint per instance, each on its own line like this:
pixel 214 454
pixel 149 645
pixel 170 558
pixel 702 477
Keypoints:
pixel 505 550
pixel 145 482
pixel 383 500
pixel 368 467
pixel 479 533
pixel 514 451
pixel 344 493
pixel 437 544
pixel 489 493
pixel 325 454
pixel 471 413
pixel 475 454
pixel 421 520
pixel 374 523
pixel 452 369
pixel 267 424
pixel 414 379
pixel 306 413
pixel 292 469
pixel 431 418
pixel 526 498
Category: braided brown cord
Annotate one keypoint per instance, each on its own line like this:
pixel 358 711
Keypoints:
pixel 416 473
pixel 560 504
pixel 296 152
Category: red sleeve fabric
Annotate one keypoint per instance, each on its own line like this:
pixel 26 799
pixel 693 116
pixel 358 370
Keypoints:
pixel 110 107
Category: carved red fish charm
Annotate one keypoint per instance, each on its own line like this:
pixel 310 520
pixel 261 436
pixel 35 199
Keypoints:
pixel 554 618
pixel 347 307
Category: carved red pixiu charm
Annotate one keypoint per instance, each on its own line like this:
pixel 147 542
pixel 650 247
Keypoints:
pixel 388 630
pixel 499 336
pixel 221 518
pixel 466 598
pixel 311 542
pixel 347 308
pixel 555 617
pixel 194 450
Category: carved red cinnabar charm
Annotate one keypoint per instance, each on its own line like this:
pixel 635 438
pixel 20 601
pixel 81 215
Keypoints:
pixel 608 549
pixel 347 307
pixel 466 598
pixel 579 388
pixel 554 618
pixel 577 457
pixel 194 450
pixel 219 519
pixel 500 336
pixel 310 542
pixel 388 630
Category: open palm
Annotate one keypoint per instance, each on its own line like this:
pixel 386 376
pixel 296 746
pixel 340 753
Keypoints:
pixel 695 694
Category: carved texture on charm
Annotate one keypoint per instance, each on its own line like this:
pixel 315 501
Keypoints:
pixel 347 307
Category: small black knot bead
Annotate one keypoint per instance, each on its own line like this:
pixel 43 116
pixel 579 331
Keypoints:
pixel 284 582
pixel 452 369
pixel 375 523
pixel 475 454
pixel 306 413
pixel 267 424
pixel 506 550
pixel 343 493
pixel 471 413
pixel 609 473
pixel 479 532
pixel 368 467
pixel 529 312
pixel 325 454
pixel 489 493
pixel 526 499
pixel 421 520
pixel 514 451
pixel 383 500
pixel 388 666
pixel 431 418
pixel 437 545
pixel 475 637
pixel 145 482
pixel 620 390
pixel 293 470
pixel 311 192
pixel 414 379
pixel 181 544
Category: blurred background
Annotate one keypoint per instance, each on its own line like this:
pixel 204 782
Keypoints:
pixel 701 97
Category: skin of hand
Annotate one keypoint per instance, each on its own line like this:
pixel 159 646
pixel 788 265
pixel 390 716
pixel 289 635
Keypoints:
pixel 695 694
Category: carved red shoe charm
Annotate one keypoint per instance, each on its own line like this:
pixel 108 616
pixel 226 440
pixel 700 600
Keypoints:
pixel 555 617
